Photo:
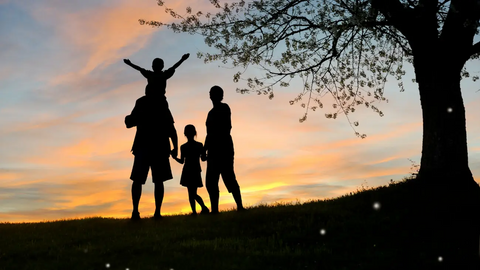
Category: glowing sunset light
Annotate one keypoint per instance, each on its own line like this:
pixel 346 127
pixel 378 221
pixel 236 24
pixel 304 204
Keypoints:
pixel 263 187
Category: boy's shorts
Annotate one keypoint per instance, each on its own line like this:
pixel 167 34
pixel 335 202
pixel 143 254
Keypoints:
pixel 161 170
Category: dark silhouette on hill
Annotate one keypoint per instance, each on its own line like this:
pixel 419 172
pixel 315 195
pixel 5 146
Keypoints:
pixel 220 152
pixel 151 148
pixel 155 128
pixel 191 153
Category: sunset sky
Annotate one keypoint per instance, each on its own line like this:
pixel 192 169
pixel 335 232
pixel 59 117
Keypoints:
pixel 65 151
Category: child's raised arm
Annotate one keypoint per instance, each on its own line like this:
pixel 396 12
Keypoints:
pixel 128 62
pixel 184 57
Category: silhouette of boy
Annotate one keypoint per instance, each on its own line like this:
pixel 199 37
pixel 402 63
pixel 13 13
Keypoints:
pixel 219 148
pixel 155 128
pixel 191 153
pixel 157 79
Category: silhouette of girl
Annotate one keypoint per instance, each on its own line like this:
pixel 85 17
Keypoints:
pixel 191 152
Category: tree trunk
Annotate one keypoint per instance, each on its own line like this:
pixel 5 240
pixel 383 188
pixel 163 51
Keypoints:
pixel 448 194
pixel 444 145
pixel 447 198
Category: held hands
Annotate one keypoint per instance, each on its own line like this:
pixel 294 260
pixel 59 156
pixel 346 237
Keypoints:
pixel 174 153
pixel 185 56
pixel 178 160
pixel 127 61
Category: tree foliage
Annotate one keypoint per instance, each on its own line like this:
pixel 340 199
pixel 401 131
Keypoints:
pixel 343 50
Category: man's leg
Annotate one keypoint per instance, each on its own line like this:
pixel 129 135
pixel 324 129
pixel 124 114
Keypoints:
pixel 237 196
pixel 136 194
pixel 211 182
pixel 159 191
pixel 230 180
pixel 138 175
pixel 161 172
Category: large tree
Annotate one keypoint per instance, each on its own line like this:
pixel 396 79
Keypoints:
pixel 344 51
pixel 348 49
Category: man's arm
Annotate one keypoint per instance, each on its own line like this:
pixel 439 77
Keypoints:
pixel 205 144
pixel 174 138
pixel 128 62
pixel 184 57
pixel 203 155
pixel 228 115
pixel 132 119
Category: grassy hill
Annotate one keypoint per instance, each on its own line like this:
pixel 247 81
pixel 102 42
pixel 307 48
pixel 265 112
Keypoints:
pixel 382 228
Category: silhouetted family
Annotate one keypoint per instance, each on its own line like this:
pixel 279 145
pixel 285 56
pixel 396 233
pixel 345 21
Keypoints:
pixel 152 150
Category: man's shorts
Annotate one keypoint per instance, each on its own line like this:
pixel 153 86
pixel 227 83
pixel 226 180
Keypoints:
pixel 161 170
pixel 223 167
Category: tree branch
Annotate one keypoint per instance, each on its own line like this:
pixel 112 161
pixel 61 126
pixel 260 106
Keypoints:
pixel 459 29
pixel 395 13
pixel 304 69
pixel 274 16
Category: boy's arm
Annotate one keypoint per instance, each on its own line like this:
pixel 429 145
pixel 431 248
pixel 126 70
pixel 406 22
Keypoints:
pixel 128 62
pixel 184 57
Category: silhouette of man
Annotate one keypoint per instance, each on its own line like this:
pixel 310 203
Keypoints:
pixel 151 148
pixel 219 148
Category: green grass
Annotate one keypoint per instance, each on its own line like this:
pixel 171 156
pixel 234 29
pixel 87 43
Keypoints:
pixel 278 236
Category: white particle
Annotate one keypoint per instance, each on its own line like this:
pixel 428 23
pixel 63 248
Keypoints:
pixel 127 268
pixel 440 259
pixel 449 110
pixel 107 265
pixel 376 206
pixel 322 231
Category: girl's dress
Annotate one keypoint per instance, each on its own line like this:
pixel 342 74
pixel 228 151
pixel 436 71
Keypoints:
pixel 191 173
